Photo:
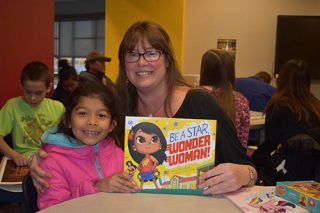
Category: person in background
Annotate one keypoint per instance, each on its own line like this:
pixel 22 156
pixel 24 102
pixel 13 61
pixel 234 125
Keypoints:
pixel 256 89
pixel 27 117
pixel 217 75
pixel 84 156
pixel 292 110
pixel 263 76
pixel 152 85
pixel 68 81
pixel 95 68
pixel 62 63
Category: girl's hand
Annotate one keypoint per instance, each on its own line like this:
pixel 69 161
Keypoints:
pixel 37 173
pixel 19 159
pixel 119 182
pixel 226 177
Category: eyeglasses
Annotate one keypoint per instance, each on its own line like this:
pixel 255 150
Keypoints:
pixel 150 56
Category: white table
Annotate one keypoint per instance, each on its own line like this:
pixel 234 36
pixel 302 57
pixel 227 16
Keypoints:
pixel 140 202
pixel 257 120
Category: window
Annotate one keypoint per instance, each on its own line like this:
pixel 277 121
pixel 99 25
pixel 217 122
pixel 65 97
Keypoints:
pixel 74 39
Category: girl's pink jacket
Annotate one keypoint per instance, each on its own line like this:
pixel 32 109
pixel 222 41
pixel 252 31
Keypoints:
pixel 75 168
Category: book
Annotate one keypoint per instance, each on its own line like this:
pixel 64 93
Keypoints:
pixel 261 199
pixel 11 176
pixel 167 155
pixel 303 193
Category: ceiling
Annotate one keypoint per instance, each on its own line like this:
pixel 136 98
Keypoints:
pixel 75 7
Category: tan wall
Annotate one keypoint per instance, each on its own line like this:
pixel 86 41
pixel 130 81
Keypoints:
pixel 251 22
pixel 122 14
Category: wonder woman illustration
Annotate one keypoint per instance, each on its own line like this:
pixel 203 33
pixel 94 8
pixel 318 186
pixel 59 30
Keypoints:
pixel 147 146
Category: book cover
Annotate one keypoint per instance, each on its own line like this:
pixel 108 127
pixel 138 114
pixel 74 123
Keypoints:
pixel 303 193
pixel 11 176
pixel 166 155
pixel 261 199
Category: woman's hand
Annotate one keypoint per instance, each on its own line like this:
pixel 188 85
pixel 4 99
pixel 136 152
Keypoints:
pixel 119 182
pixel 19 159
pixel 38 175
pixel 226 177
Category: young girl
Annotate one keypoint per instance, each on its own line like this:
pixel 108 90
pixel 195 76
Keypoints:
pixel 83 155
pixel 147 146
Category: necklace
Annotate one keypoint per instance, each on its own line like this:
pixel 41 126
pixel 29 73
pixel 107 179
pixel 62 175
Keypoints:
pixel 148 113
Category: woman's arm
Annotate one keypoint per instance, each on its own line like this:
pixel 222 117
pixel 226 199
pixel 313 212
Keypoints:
pixel 227 177
pixel 37 173
pixel 242 119
pixel 233 167
pixel 59 190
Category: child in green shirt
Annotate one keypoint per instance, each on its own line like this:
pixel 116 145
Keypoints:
pixel 27 117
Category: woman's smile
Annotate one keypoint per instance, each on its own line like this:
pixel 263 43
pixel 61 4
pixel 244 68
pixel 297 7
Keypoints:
pixel 144 73
pixel 91 133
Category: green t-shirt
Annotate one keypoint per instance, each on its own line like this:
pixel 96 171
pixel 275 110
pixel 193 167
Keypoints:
pixel 27 124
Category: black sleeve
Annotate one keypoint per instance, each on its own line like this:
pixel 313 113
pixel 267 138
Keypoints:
pixel 273 121
pixel 199 104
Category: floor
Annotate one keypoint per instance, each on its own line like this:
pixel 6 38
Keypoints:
pixel 9 208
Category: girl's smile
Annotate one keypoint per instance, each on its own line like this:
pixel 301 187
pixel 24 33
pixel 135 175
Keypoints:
pixel 91 121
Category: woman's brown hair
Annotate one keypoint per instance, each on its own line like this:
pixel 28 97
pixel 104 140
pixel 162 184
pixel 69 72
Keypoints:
pixel 158 39
pixel 293 91
pixel 217 70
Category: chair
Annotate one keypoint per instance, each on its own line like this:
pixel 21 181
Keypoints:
pixel 295 158
pixel 30 195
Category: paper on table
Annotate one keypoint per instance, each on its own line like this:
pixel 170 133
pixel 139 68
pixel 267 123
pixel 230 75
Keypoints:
pixel 261 199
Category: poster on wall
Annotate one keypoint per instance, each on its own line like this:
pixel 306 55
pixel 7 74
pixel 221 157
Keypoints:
pixel 229 45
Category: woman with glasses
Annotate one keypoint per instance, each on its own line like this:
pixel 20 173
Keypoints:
pixel 153 86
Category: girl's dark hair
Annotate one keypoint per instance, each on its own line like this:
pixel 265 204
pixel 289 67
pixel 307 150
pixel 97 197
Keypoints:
pixel 63 63
pixel 293 91
pixel 91 90
pixel 67 72
pixel 148 128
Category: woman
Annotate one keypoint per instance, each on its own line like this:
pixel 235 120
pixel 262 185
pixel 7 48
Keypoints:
pixel 291 111
pixel 150 79
pixel 218 76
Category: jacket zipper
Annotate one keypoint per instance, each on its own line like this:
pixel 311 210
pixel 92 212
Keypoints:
pixel 96 161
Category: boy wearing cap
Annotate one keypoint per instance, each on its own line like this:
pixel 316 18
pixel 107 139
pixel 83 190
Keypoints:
pixel 28 116
pixel 95 65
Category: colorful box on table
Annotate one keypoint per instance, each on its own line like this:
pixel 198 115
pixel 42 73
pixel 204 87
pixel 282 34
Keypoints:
pixel 303 193
pixel 167 155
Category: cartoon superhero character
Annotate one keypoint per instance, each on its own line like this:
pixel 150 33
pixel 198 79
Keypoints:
pixel 273 205
pixel 147 146
pixel 131 169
